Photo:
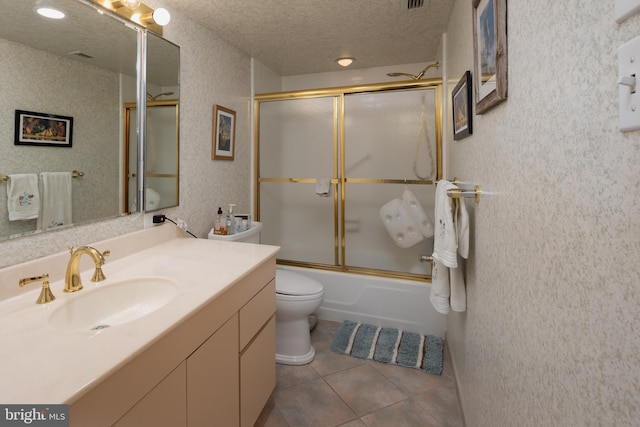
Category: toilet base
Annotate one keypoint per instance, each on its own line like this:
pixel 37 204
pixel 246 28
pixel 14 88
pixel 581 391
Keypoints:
pixel 285 359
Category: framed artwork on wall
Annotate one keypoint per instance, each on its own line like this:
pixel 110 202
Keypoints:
pixel 43 129
pixel 490 53
pixel 462 108
pixel 224 133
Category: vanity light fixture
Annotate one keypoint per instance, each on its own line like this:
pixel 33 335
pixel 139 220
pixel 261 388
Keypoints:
pixel 160 16
pixel 49 12
pixel 138 12
pixel 345 61
pixel 129 4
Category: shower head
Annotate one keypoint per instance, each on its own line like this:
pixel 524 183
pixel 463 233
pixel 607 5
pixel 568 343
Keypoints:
pixel 417 76
pixel 153 98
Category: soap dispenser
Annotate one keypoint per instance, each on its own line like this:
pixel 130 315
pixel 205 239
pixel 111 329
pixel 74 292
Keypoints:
pixel 229 221
pixel 218 227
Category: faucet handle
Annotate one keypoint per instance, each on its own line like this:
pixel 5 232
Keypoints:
pixel 45 294
pixel 98 275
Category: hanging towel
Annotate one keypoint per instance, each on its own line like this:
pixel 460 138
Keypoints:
pixel 23 196
pixel 414 207
pixel 462 229
pixel 456 276
pixel 400 224
pixel 440 287
pixel 445 244
pixel 56 200
pixel 323 187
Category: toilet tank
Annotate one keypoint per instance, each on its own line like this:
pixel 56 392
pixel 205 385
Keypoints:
pixel 252 235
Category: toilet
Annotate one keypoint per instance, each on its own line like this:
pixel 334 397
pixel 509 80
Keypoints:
pixel 297 297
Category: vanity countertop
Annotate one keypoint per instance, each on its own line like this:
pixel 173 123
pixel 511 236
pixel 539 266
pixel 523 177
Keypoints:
pixel 45 365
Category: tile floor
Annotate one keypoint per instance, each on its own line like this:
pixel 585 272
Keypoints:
pixel 340 390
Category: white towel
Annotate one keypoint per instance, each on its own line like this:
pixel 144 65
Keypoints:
pixel 23 197
pixel 400 224
pixel 445 244
pixel 56 200
pixel 440 287
pixel 462 229
pixel 412 204
pixel 323 187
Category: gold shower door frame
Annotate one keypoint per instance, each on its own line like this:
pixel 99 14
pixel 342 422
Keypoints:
pixel 339 181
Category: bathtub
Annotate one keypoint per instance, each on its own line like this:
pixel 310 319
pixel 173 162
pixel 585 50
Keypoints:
pixel 386 302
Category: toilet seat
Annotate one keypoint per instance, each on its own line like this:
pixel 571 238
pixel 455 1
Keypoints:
pixel 292 284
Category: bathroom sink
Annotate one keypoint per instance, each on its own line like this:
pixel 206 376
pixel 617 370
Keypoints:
pixel 114 304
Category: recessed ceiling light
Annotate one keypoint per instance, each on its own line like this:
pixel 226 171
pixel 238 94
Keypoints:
pixel 49 12
pixel 346 61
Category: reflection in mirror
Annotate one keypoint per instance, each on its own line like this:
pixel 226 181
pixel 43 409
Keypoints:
pixel 163 95
pixel 161 155
pixel 82 66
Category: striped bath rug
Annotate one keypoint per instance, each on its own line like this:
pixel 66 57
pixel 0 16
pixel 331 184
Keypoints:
pixel 389 345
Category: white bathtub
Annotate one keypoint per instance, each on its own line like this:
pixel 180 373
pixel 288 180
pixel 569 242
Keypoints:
pixel 393 303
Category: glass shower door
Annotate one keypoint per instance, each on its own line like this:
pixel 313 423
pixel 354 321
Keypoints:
pixel 298 147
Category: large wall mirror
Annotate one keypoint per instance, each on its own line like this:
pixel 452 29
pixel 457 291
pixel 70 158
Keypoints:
pixel 81 67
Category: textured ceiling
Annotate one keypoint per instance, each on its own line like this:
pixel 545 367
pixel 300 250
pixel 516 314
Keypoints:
pixel 302 36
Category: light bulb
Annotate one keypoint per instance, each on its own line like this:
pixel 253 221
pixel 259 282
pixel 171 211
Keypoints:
pixel 161 16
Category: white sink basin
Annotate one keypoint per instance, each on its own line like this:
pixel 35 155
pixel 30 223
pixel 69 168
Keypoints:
pixel 114 304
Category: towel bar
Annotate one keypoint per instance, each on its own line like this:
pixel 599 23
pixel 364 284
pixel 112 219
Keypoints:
pixel 74 174
pixel 456 193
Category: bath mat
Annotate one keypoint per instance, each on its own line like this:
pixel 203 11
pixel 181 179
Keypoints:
pixel 389 345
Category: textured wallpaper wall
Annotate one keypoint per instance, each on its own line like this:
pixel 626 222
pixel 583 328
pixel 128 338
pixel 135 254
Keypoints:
pixel 550 335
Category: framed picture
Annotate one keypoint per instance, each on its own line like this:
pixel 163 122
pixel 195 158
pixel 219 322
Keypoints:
pixel 43 129
pixel 490 53
pixel 224 133
pixel 462 109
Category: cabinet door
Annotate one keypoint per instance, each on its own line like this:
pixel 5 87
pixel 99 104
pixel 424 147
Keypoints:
pixel 258 373
pixel 164 405
pixel 213 388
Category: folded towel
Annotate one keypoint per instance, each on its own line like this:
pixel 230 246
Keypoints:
pixel 440 287
pixel 458 291
pixel 323 187
pixel 414 207
pixel 462 229
pixel 400 224
pixel 23 197
pixel 445 244
pixel 56 200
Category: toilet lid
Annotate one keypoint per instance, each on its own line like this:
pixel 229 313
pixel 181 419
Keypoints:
pixel 290 283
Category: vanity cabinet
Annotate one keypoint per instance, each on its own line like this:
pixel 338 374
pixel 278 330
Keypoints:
pixel 217 367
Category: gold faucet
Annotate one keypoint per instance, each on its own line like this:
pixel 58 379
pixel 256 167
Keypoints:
pixel 72 282
pixel 45 294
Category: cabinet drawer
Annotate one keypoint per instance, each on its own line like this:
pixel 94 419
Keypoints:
pixel 256 312
pixel 257 374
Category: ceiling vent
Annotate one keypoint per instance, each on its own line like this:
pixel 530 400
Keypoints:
pixel 414 4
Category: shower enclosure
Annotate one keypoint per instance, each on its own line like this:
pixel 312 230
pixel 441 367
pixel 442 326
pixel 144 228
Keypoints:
pixel 370 143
